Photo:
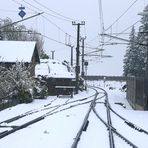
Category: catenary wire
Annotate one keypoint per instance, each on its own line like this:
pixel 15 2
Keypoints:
pixel 54 11
pixel 45 17
pixel 121 15
pixel 57 17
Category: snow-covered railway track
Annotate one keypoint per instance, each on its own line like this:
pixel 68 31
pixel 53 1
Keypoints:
pixel 47 110
pixel 113 133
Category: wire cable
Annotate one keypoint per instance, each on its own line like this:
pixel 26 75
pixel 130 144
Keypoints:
pixel 53 39
pixel 54 11
pixel 57 17
pixel 122 32
pixel 25 6
pixel 129 27
pixel 121 15
pixel 45 17
pixel 56 26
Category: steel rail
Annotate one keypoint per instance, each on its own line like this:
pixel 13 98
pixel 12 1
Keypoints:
pixel 130 124
pixel 84 123
pixel 42 109
pixel 54 111
pixel 108 124
pixel 114 130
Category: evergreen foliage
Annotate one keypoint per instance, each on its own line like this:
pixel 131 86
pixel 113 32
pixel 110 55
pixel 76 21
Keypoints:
pixel 135 59
pixel 16 82
pixel 40 90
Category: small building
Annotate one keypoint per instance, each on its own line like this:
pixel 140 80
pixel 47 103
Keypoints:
pixel 19 51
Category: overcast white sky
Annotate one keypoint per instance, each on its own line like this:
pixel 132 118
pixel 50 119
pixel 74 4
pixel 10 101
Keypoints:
pixel 85 10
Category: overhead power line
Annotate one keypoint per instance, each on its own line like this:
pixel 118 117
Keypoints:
pixel 122 32
pixel 129 27
pixel 59 14
pixel 54 40
pixel 57 26
pixel 121 15
pixel 25 6
pixel 55 16
pixel 47 19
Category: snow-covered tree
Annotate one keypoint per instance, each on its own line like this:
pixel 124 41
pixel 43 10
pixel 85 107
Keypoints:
pixel 17 82
pixel 5 87
pixel 135 60
pixel 143 39
pixel 131 63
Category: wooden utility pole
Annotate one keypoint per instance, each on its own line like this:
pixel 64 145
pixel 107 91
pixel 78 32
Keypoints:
pixel 78 54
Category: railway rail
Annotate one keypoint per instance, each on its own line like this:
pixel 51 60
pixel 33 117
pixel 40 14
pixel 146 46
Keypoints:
pixel 48 110
pixel 93 101
pixel 108 124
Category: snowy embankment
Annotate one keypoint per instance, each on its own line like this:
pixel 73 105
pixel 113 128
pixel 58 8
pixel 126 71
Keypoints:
pixel 60 129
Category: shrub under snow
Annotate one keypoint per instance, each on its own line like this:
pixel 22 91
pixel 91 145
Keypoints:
pixel 16 82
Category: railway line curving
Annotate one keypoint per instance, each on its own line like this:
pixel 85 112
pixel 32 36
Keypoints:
pixel 112 131
pixel 100 97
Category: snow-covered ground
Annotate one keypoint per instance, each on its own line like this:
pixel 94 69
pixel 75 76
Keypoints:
pixel 60 129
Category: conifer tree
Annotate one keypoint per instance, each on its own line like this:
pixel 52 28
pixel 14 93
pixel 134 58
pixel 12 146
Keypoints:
pixel 143 39
pixel 135 60
pixel 130 60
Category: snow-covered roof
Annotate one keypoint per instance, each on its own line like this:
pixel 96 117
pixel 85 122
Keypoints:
pixel 12 51
pixel 53 68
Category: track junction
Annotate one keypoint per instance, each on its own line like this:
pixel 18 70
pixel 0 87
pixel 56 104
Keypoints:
pixel 97 103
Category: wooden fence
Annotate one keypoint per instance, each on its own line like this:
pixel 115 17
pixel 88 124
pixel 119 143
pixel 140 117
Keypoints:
pixel 137 93
pixel 137 89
